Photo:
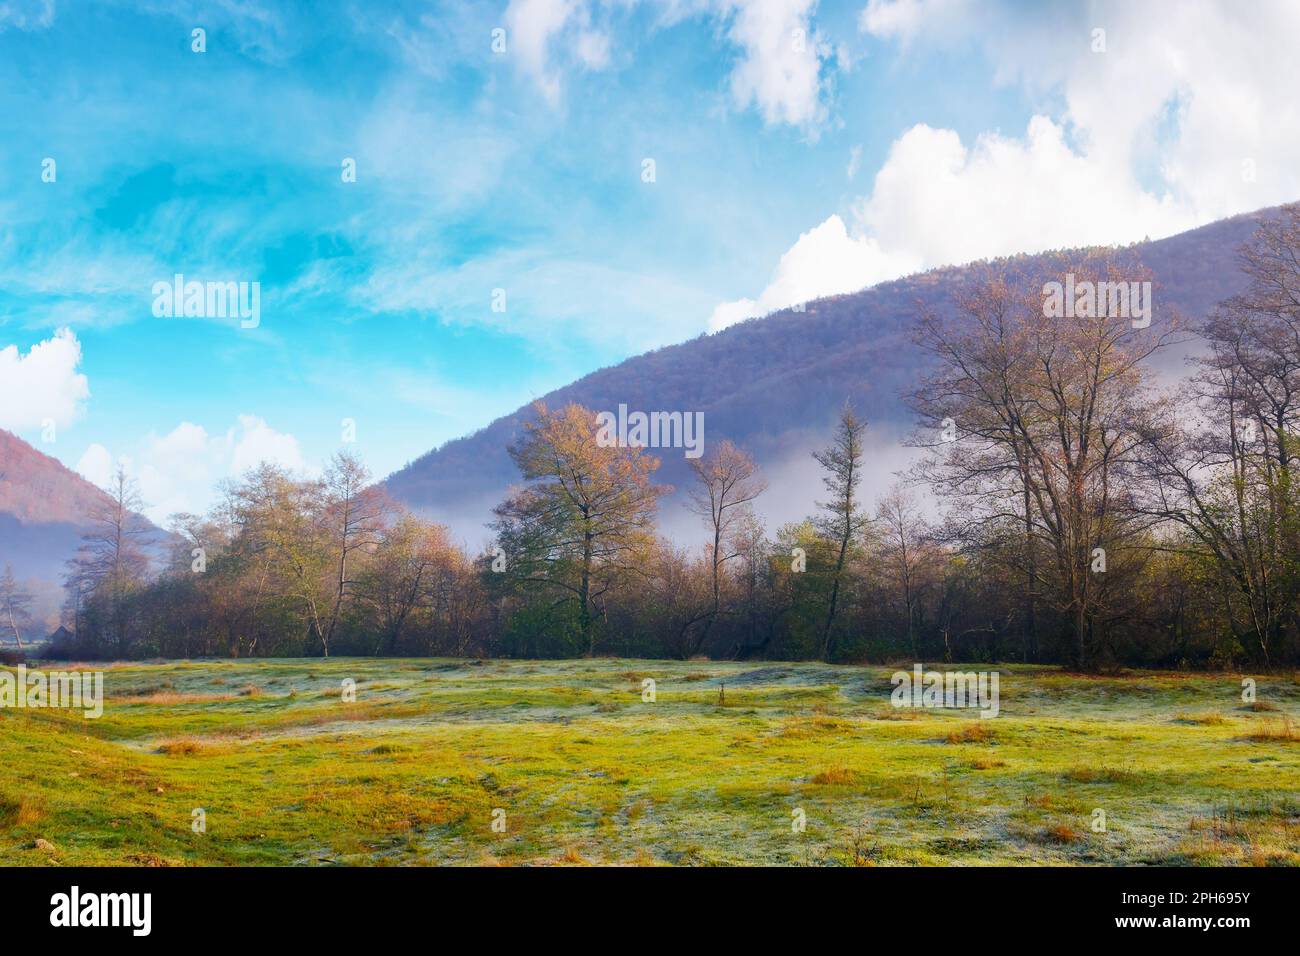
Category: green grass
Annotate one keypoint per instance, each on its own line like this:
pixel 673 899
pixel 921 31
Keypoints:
pixel 287 773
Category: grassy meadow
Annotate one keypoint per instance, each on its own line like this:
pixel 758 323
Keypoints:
pixel 288 773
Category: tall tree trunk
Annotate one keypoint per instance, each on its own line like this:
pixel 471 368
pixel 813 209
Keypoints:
pixel 584 609
pixel 1031 575
pixel 835 594
pixel 13 624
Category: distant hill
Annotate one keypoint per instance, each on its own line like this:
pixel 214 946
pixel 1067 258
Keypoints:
pixel 774 385
pixel 43 505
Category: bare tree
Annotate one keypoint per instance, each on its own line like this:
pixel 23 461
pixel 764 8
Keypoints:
pixel 844 520
pixel 1042 418
pixel 1223 460
pixel 15 604
pixel 111 564
pixel 727 485
pixel 354 513
pixel 904 552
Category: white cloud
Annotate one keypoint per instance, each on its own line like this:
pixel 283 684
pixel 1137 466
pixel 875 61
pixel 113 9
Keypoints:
pixel 530 24
pixel 936 202
pixel 43 384
pixel 1158 134
pixel 534 27
pixel 541 285
pixel 96 465
pixel 592 49
pixel 855 162
pixel 780 68
pixel 179 471
pixel 253 441
pixel 903 19
pixel 1183 94
pixel 26 14
pixel 825 261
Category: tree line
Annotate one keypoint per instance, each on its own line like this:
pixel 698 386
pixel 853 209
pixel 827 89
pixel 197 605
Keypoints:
pixel 1066 506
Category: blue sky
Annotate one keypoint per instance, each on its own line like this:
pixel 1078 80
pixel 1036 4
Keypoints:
pixel 799 149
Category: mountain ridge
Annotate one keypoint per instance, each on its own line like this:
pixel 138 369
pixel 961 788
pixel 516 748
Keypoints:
pixel 43 509
pixel 856 347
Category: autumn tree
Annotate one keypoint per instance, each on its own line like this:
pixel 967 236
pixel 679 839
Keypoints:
pixel 413 570
pixel 284 523
pixel 586 512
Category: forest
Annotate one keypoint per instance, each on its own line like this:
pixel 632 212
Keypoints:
pixel 1069 505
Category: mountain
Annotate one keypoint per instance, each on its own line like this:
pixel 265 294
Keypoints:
pixel 43 505
pixel 774 385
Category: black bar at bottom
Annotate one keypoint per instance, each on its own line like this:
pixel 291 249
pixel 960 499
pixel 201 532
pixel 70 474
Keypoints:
pixel 330 904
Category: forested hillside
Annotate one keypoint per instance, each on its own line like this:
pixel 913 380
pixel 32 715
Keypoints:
pixel 776 384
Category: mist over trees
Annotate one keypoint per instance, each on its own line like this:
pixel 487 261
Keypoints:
pixel 1086 515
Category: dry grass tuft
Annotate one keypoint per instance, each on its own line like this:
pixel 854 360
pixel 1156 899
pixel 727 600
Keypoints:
pixel 572 857
pixel 1060 833
pixel 835 775
pixel 971 734
pixel 180 747
pixel 171 698
pixel 1097 775
pixel 1281 730
pixel 22 812
pixel 897 713
pixel 190 747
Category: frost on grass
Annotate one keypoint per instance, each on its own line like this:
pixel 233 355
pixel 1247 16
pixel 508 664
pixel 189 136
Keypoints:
pixel 588 772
